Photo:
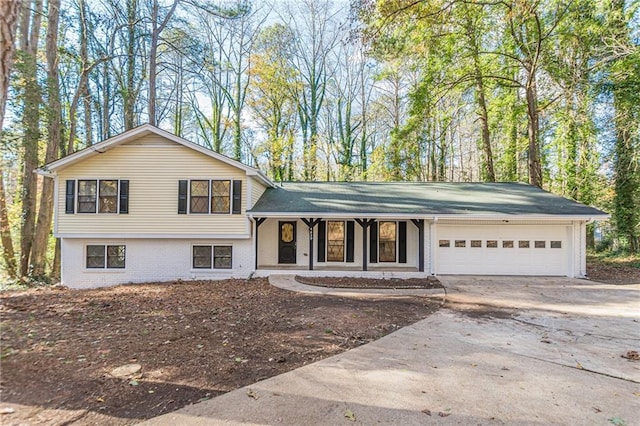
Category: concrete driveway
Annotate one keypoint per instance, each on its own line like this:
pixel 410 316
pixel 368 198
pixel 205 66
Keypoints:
pixel 503 350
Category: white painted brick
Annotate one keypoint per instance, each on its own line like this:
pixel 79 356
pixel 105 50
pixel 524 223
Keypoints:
pixel 149 260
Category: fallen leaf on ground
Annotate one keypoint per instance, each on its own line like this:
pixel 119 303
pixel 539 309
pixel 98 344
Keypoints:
pixel 618 421
pixel 349 414
pixel 443 414
pixel 252 394
pixel 427 411
pixel 632 356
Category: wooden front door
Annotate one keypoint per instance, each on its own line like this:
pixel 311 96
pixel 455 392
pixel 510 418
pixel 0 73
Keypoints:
pixel 287 242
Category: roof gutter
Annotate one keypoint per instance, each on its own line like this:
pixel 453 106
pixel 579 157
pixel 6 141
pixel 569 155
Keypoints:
pixel 435 218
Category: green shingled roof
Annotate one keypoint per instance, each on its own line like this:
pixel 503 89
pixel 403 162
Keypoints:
pixel 419 198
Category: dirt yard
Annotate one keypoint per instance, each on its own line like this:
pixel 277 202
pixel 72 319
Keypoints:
pixel 194 341
pixel 614 270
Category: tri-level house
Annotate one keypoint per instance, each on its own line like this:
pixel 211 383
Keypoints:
pixel 150 206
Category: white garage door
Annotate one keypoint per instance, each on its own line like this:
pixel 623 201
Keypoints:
pixel 502 250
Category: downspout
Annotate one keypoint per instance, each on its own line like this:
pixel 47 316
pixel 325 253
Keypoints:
pixel 254 244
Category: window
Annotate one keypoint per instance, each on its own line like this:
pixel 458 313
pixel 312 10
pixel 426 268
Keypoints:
pixel 523 244
pixel 220 196
pixel 444 243
pixel 556 244
pixel 201 257
pixel 108 196
pixel 507 244
pixel 461 243
pixel 222 257
pixel 335 241
pixel 476 243
pixel 199 196
pixel 209 196
pixel 109 256
pixel 212 257
pixel 99 195
pixel 387 242
pixel 87 196
pixel 492 243
pixel 539 244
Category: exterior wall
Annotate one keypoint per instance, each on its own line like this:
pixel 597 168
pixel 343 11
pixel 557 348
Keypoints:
pixel 149 260
pixel 153 166
pixel 268 247
pixel 257 189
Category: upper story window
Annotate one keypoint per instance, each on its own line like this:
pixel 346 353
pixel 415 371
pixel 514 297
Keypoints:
pixel 199 201
pixel 204 196
pixel 97 196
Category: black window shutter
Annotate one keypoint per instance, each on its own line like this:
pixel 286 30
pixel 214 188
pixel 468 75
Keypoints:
pixel 237 197
pixel 124 197
pixel 322 234
pixel 70 197
pixel 350 240
pixel 402 242
pixel 182 196
pixel 373 243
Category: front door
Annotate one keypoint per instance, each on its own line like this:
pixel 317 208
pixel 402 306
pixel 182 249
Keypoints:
pixel 287 242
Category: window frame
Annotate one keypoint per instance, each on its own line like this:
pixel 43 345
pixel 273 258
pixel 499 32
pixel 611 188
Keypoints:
pixel 212 257
pixel 210 196
pixel 106 257
pixel 206 197
pixel 229 196
pixel 344 241
pixel 395 241
pixel 96 183
pixel 97 205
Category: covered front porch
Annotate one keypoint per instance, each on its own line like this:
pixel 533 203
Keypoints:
pixel 373 246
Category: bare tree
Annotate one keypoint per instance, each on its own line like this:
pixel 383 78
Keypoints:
pixel 156 31
pixel 314 23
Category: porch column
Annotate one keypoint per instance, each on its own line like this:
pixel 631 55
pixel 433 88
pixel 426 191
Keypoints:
pixel 259 222
pixel 420 224
pixel 311 222
pixel 364 223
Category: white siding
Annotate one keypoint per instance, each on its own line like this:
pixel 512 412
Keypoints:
pixel 257 189
pixel 149 260
pixel 153 166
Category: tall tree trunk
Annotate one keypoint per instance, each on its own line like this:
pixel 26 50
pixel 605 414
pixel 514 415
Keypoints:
pixel 56 264
pixel 237 119
pixel 9 15
pixel 365 124
pixel 54 118
pixel 130 95
pixel 489 170
pixel 535 167
pixel 31 125
pixel 153 55
pixel 8 251
pixel 626 159
pixel 82 91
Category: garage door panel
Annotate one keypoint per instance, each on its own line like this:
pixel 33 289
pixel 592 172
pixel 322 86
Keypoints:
pixel 502 250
